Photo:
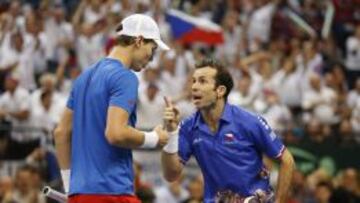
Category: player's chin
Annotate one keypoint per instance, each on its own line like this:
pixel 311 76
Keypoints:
pixel 138 68
pixel 197 104
pixel 141 66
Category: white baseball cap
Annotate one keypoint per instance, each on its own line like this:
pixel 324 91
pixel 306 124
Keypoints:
pixel 142 25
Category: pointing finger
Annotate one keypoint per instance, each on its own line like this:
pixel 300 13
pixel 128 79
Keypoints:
pixel 168 102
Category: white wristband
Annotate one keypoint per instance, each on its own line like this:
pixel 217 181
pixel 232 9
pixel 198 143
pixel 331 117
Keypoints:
pixel 173 144
pixel 151 140
pixel 65 176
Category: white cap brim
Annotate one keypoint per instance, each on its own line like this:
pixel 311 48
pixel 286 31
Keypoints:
pixel 161 44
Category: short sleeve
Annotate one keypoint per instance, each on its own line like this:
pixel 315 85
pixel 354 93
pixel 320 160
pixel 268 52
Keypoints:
pixel 70 101
pixel 185 150
pixel 123 91
pixel 266 139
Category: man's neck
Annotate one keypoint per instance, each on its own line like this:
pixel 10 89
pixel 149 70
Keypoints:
pixel 213 114
pixel 12 91
pixel 121 54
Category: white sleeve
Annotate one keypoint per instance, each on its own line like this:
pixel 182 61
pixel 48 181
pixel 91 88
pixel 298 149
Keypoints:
pixel 25 101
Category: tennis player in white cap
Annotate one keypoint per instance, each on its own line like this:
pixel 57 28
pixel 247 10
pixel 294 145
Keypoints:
pixel 96 133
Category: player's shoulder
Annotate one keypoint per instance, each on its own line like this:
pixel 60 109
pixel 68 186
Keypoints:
pixel 242 113
pixel 245 117
pixel 116 71
pixel 189 122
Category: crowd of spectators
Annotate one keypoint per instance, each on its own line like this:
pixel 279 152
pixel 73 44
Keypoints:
pixel 306 85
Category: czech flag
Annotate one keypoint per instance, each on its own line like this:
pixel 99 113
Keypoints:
pixel 188 29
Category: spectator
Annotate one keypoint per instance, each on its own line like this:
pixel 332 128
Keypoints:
pixel 15 106
pixel 195 188
pixel 353 57
pixel 277 114
pixel 348 190
pixel 150 103
pixel 17 59
pixel 59 36
pixel 300 190
pixel 26 190
pixel 6 189
pixel 169 76
pixel 172 192
pixel 354 95
pixel 323 192
pixel 259 24
pixel 320 100
pixel 345 134
pixel 286 82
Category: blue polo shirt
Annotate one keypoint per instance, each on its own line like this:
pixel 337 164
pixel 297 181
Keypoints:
pixel 96 166
pixel 231 158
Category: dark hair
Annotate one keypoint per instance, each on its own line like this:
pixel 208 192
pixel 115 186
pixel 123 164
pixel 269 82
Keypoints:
pixel 326 184
pixel 125 40
pixel 222 76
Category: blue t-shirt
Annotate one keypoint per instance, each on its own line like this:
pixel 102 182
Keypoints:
pixel 96 166
pixel 231 158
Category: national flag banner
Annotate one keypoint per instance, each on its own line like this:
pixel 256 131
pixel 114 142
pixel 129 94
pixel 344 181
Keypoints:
pixel 188 29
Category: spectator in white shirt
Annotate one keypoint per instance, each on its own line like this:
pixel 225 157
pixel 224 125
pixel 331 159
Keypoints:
pixel 320 100
pixel 286 82
pixel 47 105
pixel 26 190
pixel 18 59
pixel 183 103
pixel 150 108
pixel 59 36
pixel 313 59
pixel 353 57
pixel 354 95
pixel 15 107
pixel 355 120
pixel 94 10
pixel 171 192
pixel 260 24
pixel 90 45
pixel 242 96
pixel 277 114
pixel 35 40
pixel 173 82
pixel 150 76
pixel 233 37
pixel 47 83
pixel 45 115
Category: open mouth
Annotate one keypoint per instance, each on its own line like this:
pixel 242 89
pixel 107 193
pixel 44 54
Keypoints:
pixel 196 98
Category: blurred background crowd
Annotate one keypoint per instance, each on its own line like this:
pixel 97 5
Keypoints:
pixel 304 80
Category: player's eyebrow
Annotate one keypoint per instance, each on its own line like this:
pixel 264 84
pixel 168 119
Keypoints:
pixel 202 77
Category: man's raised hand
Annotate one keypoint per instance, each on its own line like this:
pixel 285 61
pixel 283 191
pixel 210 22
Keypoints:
pixel 171 115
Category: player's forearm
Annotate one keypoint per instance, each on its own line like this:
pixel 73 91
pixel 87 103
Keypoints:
pixel 171 166
pixel 62 137
pixel 126 137
pixel 63 152
pixel 63 147
pixel 285 176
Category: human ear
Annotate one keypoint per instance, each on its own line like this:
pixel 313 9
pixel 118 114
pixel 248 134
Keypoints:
pixel 138 41
pixel 220 91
